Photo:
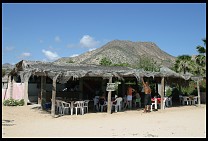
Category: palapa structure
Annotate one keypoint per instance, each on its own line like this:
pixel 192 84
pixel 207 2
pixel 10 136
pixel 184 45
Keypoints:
pixel 63 72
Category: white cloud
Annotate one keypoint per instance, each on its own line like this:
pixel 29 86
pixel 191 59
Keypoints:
pixel 10 48
pixel 24 55
pixel 88 41
pixel 74 55
pixel 50 55
pixel 57 39
pixel 91 49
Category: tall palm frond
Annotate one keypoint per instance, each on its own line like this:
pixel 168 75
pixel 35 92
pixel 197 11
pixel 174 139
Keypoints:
pixel 183 64
pixel 201 49
pixel 200 60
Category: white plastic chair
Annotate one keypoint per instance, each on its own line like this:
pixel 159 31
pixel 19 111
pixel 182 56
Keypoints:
pixel 86 105
pixel 65 107
pixel 195 100
pixel 164 101
pixel 185 100
pixel 118 104
pixel 80 106
pixel 154 104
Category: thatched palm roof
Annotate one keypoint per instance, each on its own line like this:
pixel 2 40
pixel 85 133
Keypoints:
pixel 64 72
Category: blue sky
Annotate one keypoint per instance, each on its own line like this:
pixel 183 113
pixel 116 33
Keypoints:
pixel 46 32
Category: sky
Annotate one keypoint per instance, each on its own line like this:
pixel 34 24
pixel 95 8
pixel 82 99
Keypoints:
pixel 47 32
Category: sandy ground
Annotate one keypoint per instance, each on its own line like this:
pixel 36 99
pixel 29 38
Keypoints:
pixel 30 121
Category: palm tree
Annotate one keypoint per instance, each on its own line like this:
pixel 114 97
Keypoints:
pixel 201 59
pixel 184 63
pixel 202 49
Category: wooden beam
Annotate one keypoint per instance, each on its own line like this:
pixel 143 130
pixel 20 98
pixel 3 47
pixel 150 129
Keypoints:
pixel 162 92
pixel 109 98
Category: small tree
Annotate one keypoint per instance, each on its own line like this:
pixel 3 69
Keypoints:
pixel 3 72
pixel 148 64
pixel 70 61
pixel 105 62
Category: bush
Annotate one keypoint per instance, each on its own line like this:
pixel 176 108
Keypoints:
pixel 105 62
pixel 21 102
pixel 13 102
pixel 168 92
pixel 190 89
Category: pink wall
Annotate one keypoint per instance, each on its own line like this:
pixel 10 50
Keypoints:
pixel 5 94
pixel 18 91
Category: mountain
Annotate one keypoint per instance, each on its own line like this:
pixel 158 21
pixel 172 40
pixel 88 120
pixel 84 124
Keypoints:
pixel 7 67
pixel 120 51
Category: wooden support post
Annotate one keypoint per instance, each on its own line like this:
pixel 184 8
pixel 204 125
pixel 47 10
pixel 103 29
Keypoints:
pixel 198 89
pixel 109 98
pixel 162 93
pixel 53 96
pixel 43 91
pixel 10 86
pixel 26 91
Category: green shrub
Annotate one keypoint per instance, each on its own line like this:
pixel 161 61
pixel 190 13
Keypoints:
pixel 3 72
pixel 70 61
pixel 190 89
pixel 168 92
pixel 105 62
pixel 21 102
pixel 13 102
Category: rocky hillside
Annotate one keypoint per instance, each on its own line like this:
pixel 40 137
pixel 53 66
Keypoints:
pixel 119 51
pixel 7 67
